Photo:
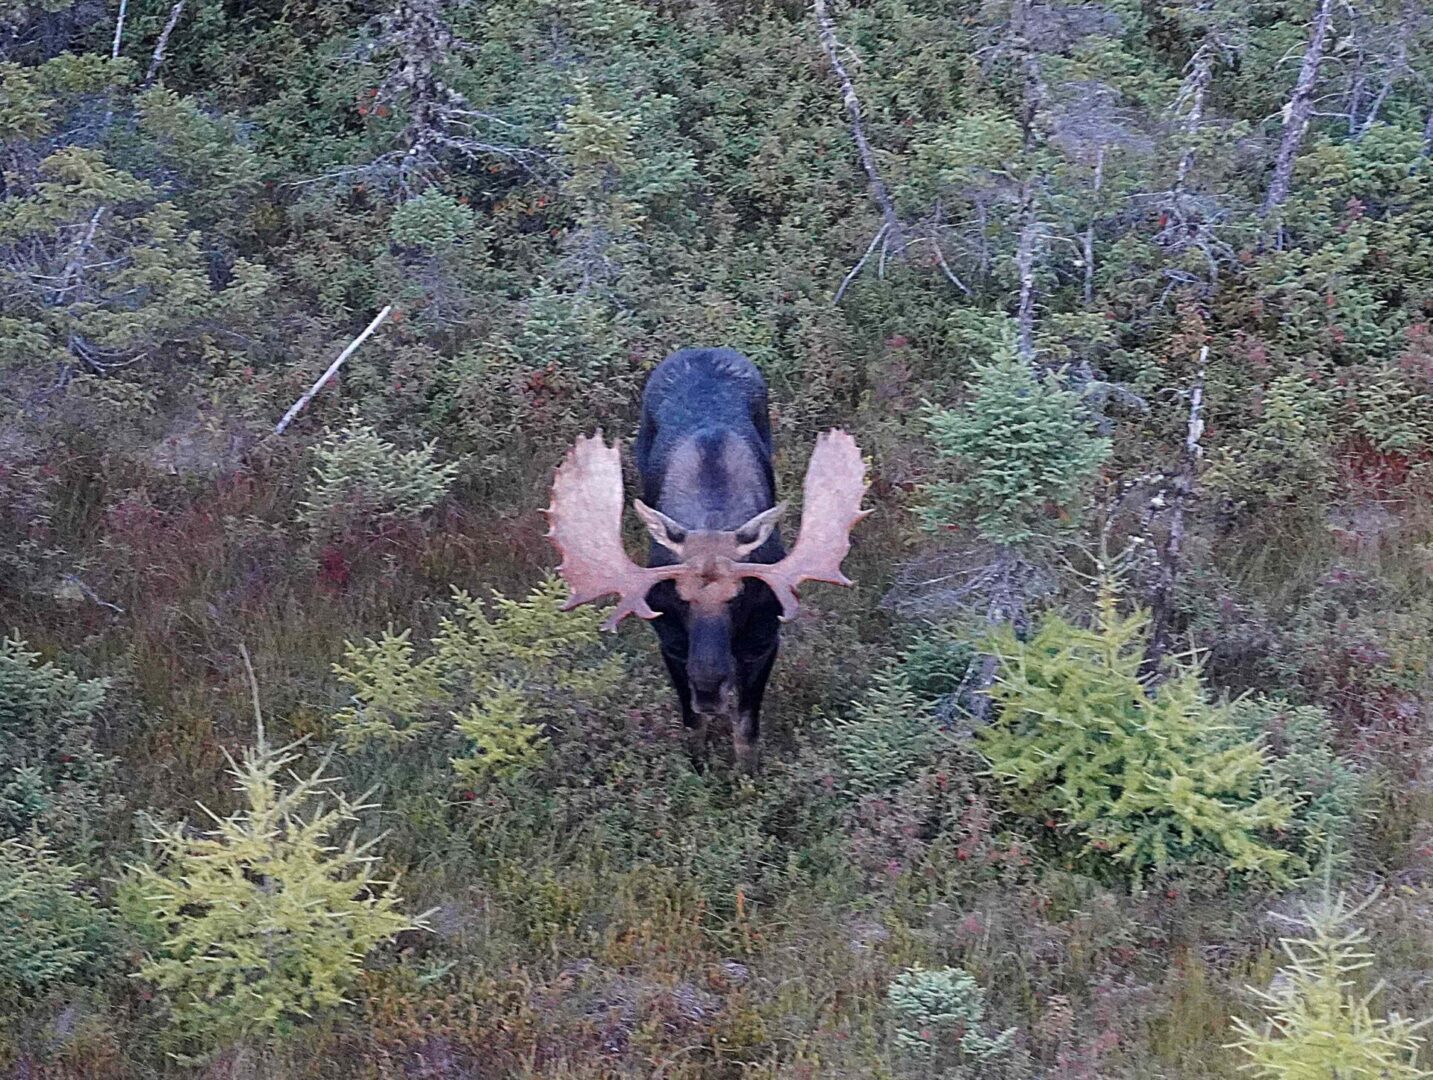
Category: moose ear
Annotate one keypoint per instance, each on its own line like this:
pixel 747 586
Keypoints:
pixel 754 533
pixel 663 529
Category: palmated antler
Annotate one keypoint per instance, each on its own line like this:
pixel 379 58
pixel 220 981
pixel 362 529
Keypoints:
pixel 835 484
pixel 585 524
pixel 586 527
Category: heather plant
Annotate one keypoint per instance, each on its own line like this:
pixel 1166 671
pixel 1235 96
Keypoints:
pixel 1319 1021
pixel 268 914
pixel 1146 780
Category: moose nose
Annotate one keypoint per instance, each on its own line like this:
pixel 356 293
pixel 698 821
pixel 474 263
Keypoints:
pixel 712 698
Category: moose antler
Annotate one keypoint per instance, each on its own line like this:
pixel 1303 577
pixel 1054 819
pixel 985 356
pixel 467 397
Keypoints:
pixel 831 506
pixel 585 521
pixel 585 525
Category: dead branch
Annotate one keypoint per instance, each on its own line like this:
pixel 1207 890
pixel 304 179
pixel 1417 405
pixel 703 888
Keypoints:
pixel 1397 67
pixel 945 266
pixel 158 57
pixel 856 270
pixel 298 406
pixel 879 192
pixel 1182 493
pixel 119 29
pixel 1196 87
pixel 1025 262
pixel 1299 110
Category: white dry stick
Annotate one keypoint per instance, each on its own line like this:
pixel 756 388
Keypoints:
pixel 298 406
pixel 158 57
pixel 119 29
pixel 114 55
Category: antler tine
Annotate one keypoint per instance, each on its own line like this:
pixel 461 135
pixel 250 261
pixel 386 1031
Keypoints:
pixel 585 525
pixel 835 484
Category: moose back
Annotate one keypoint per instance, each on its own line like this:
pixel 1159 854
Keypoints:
pixel 719 581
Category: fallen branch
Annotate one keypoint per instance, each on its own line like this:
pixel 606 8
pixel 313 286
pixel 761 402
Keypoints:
pixel 856 270
pixel 163 43
pixel 298 406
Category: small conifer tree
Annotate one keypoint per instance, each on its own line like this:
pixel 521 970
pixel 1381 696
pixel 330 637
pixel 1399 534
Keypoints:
pixel 50 929
pixel 499 674
pixel 1319 1027
pixel 360 476
pixel 267 915
pixel 1145 779
pixel 1020 456
pixel 51 777
pixel 941 1015
pixel 889 732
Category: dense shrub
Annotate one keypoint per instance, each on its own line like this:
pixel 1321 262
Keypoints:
pixel 51 777
pixel 1144 779
pixel 1022 456
pixel 360 479
pixel 52 930
pixel 267 915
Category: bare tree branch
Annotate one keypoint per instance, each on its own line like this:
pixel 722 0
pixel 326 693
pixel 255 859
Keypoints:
pixel 1299 109
pixel 1397 67
pixel 879 192
pixel 119 29
pixel 298 406
pixel 945 266
pixel 158 57
pixel 856 270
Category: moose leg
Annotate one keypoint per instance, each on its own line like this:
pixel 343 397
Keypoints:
pixel 746 729
pixel 694 723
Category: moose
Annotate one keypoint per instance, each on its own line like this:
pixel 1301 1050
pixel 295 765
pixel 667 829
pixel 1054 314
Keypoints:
pixel 719 581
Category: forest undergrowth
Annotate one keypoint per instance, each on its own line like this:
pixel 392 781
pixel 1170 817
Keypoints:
pixel 1114 762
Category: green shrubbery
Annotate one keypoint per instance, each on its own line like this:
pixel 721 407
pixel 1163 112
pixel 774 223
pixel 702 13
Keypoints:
pixel 496 678
pixel 941 1018
pixel 1023 453
pixel 264 918
pixel 361 479
pixel 52 929
pixel 1146 779
pixel 51 777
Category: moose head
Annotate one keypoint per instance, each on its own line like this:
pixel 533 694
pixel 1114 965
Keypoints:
pixel 586 527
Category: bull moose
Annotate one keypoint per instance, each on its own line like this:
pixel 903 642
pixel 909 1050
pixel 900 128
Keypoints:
pixel 719 581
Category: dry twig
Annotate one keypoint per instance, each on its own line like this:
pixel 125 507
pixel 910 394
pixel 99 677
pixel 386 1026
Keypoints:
pixel 298 406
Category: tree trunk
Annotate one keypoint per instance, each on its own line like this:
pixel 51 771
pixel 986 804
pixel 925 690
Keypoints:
pixel 1162 599
pixel 1299 109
